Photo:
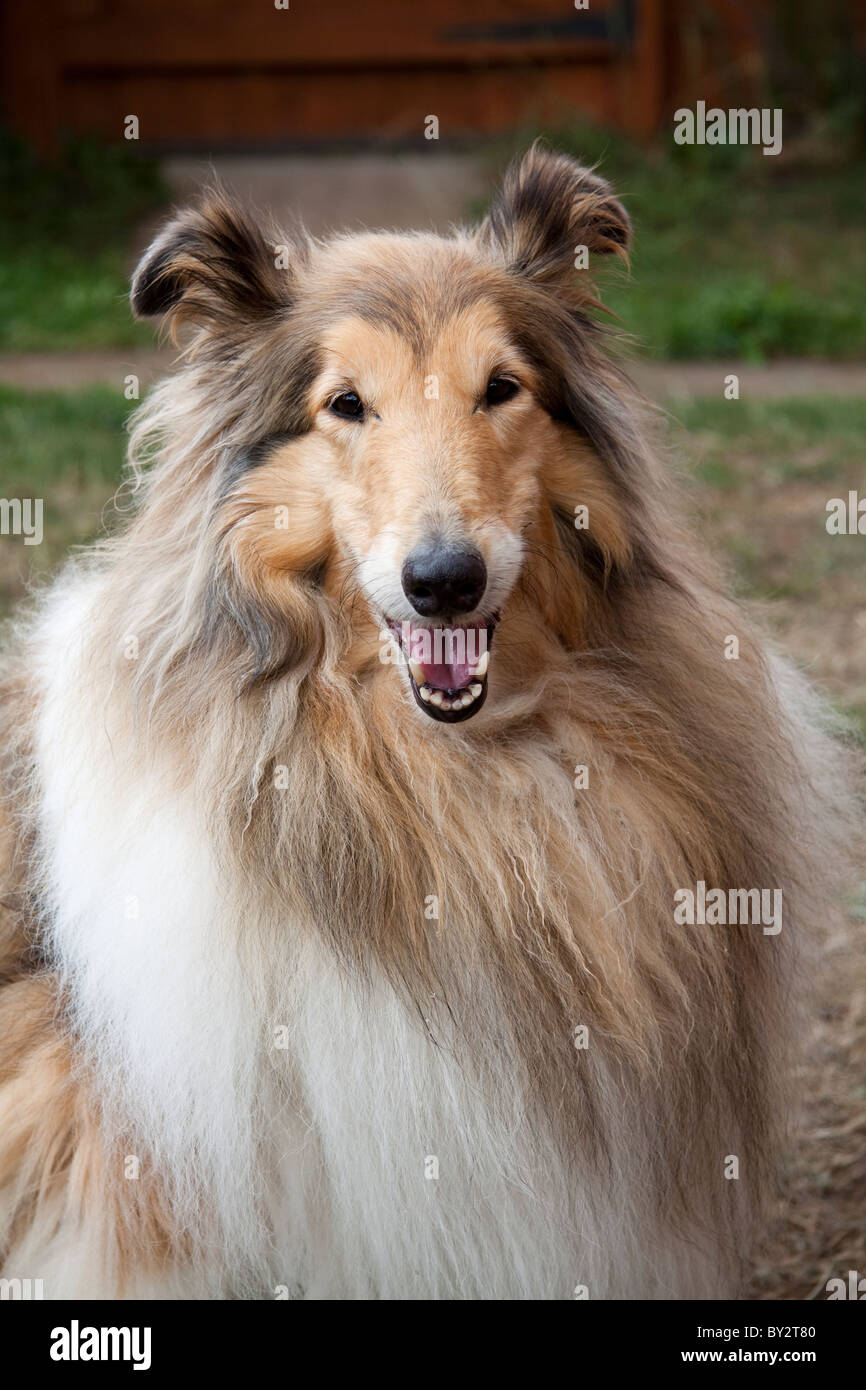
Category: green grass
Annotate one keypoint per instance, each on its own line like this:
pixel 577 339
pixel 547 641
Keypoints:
pixel 65 241
pixel 68 449
pixel 71 437
pixel 735 255
pixel 814 437
pixel 52 300
pixel 744 265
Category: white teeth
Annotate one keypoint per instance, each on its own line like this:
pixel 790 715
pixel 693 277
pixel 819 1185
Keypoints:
pixel 481 668
pixel 461 700
pixel 417 671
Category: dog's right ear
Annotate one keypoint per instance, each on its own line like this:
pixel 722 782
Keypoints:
pixel 211 265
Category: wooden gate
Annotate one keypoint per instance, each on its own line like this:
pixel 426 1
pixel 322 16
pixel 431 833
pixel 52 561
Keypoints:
pixel 223 73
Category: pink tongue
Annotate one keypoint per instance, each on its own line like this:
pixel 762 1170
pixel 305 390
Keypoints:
pixel 447 655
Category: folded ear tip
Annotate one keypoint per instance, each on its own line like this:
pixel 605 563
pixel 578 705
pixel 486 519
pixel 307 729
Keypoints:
pixel 154 290
pixel 156 286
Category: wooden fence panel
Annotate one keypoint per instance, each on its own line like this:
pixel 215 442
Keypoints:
pixel 220 73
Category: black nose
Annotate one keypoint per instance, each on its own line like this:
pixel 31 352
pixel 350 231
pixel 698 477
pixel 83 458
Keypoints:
pixel 443 579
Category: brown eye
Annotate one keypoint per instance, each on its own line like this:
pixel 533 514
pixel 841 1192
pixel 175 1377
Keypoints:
pixel 500 389
pixel 348 406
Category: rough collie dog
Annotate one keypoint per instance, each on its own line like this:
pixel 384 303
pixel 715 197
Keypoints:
pixel 353 793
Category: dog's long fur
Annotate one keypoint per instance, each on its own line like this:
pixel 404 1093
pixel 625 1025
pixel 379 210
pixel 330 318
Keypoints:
pixel 236 1038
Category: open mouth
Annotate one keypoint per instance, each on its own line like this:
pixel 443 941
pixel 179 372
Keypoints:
pixel 447 667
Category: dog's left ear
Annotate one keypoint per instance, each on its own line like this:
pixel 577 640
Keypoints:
pixel 210 265
pixel 550 206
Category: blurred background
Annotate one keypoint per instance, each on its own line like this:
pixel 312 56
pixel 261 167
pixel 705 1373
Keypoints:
pixel 398 115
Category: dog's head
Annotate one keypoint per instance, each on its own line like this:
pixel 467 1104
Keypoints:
pixel 413 420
